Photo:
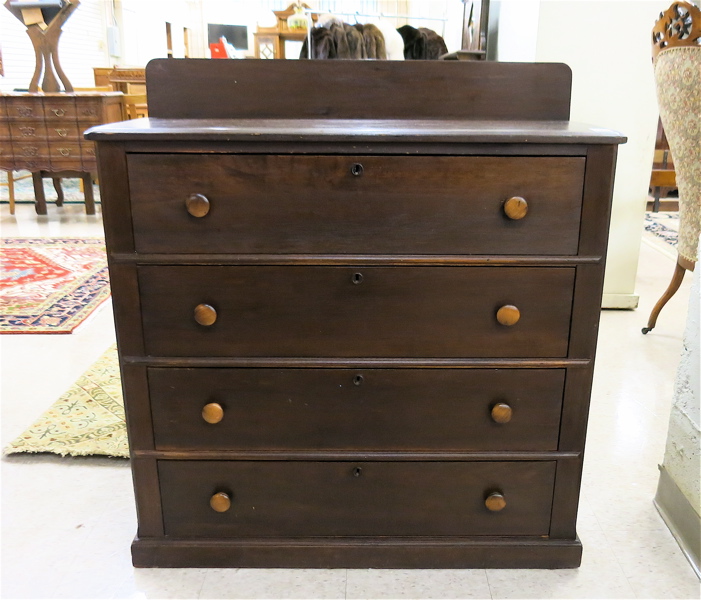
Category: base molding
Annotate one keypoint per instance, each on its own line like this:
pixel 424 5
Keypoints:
pixel 359 553
pixel 620 301
pixel 681 518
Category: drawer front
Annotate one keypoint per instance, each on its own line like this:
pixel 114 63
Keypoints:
pixel 315 204
pixel 88 156
pixel 31 150
pixel 4 127
pixel 71 164
pixel 361 409
pixel 59 110
pixel 32 155
pixel 64 151
pixel 6 156
pixel 65 155
pixel 88 109
pixel 27 107
pixel 355 311
pixel 63 132
pixel 296 498
pixel 28 130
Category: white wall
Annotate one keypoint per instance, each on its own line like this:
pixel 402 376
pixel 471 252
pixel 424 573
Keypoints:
pixel 143 29
pixel 607 44
pixel 82 46
pixel 518 29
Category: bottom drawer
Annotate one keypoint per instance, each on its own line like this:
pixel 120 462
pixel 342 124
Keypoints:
pixel 366 498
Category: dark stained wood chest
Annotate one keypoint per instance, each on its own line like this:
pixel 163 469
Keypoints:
pixel 357 307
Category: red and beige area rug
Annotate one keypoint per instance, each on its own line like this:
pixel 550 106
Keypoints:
pixel 50 285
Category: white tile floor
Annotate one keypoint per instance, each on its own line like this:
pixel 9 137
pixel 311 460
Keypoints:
pixel 67 523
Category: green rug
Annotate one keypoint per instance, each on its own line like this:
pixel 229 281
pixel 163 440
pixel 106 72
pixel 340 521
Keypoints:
pixel 87 419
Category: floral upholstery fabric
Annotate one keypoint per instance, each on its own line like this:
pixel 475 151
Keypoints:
pixel 678 79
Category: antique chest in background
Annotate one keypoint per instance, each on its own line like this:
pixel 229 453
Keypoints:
pixel 357 307
pixel 44 132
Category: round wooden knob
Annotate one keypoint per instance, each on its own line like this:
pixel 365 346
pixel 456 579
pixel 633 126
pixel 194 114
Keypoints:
pixel 495 502
pixel 508 315
pixel 197 205
pixel 213 412
pixel 501 412
pixel 205 314
pixel 516 208
pixel 220 502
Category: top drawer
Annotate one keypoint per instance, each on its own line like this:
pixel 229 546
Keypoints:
pixel 61 110
pixel 354 204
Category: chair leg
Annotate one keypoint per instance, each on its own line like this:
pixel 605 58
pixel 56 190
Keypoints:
pixel 11 188
pixel 59 191
pixel 656 204
pixel 39 197
pixel 677 278
pixel 88 193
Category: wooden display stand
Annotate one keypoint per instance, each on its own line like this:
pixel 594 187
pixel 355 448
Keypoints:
pixel 44 23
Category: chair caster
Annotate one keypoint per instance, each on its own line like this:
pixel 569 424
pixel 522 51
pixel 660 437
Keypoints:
pixel 646 330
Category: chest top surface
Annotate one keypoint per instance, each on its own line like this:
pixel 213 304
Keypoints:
pixel 365 101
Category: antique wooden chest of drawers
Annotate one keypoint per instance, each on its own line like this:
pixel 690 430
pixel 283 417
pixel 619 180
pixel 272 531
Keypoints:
pixel 356 307
pixel 44 132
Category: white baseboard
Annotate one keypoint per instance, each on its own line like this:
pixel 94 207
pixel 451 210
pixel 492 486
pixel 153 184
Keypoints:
pixel 620 301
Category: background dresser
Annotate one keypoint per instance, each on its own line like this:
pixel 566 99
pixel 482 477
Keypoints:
pixel 43 133
pixel 357 307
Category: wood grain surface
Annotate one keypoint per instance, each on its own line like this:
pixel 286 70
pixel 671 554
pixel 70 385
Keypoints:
pixel 182 88
pixel 319 311
pixel 306 498
pixel 314 204
pixel 355 409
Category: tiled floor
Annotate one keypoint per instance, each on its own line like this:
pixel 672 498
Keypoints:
pixel 67 523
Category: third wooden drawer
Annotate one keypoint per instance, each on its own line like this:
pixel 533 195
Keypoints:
pixel 356 409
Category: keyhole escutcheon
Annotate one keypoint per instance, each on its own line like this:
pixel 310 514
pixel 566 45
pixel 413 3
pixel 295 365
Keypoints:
pixel 357 169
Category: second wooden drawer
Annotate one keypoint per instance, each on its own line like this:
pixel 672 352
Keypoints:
pixel 420 312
